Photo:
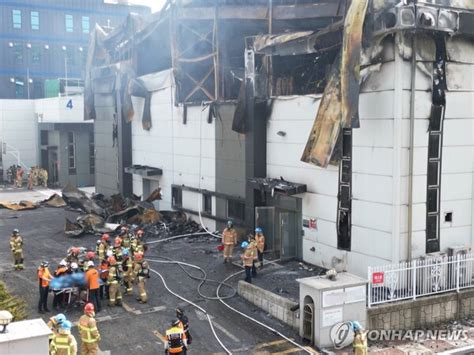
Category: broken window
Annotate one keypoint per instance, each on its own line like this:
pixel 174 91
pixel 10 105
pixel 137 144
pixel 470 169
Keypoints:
pixel 91 153
pixel 344 203
pixel 177 197
pixel 435 146
pixel 207 203
pixel 235 210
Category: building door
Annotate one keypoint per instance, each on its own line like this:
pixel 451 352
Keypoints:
pixel 53 167
pixel 265 219
pixel 288 235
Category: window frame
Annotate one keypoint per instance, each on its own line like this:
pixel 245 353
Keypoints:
pixel 36 52
pixel 71 147
pixel 91 153
pixel 86 30
pixel 207 203
pixel 17 84
pixel 35 25
pixel 176 197
pixel 18 52
pixel 16 15
pixel 67 17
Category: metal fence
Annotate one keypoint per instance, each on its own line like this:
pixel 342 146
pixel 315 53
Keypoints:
pixel 421 277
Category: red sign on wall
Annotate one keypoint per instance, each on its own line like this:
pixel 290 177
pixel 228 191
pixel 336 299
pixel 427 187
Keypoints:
pixel 377 278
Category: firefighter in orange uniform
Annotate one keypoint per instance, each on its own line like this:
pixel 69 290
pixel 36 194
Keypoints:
pixel 90 335
pixel 229 239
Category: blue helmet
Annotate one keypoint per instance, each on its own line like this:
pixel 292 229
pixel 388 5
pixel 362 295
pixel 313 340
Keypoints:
pixel 125 252
pixel 66 325
pixel 244 244
pixel 60 318
pixel 355 325
pixel 258 230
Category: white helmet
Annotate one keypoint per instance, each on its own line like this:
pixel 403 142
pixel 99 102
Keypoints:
pixel 90 263
pixel 74 266
pixel 63 262
pixel 109 252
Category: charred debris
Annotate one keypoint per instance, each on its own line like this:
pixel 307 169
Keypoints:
pixel 107 215
pixel 248 52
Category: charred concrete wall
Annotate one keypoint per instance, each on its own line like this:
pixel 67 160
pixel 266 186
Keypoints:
pixel 106 171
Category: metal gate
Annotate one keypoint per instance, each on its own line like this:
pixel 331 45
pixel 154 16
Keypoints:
pixel 308 322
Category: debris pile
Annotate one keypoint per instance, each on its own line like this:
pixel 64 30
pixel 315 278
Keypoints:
pixel 106 215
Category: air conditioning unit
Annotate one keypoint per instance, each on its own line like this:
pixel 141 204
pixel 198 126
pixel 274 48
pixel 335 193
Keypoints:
pixel 466 272
pixel 432 274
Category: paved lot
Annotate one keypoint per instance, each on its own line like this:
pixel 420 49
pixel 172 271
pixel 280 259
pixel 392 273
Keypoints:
pixel 136 328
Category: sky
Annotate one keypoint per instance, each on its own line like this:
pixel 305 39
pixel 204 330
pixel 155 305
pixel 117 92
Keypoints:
pixel 154 4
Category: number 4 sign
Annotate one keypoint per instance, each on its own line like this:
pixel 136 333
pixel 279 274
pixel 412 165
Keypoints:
pixel 69 104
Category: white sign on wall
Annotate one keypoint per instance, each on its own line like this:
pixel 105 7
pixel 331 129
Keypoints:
pixel 333 298
pixel 331 316
pixel 355 294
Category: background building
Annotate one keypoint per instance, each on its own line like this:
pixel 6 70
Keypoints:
pixel 44 41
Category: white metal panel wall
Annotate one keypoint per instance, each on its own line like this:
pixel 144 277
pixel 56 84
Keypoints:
pixel 19 128
pixel 185 152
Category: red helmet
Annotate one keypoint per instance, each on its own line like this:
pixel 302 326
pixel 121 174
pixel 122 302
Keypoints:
pixel 138 256
pixel 118 241
pixel 89 308
pixel 111 260
pixel 140 233
pixel 105 237
pixel 75 250
pixel 90 255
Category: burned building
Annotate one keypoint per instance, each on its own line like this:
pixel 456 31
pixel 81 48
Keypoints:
pixel 342 128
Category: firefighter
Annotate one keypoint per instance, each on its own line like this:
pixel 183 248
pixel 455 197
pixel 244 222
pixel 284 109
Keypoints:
pixel 44 277
pixel 260 239
pixel 61 271
pixel 54 324
pixel 88 331
pixel 16 246
pixel 64 342
pixel 73 255
pixel 104 274
pixel 253 246
pixel 359 344
pixel 19 176
pixel 247 259
pixel 103 246
pixel 93 284
pixel 141 272
pixel 113 280
pixel 117 250
pixel 229 239
pixel 43 177
pixel 175 340
pixel 30 179
pixel 184 324
pixel 127 267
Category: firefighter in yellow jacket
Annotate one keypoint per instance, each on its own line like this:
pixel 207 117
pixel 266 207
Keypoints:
pixel 113 281
pixel 64 342
pixel 16 246
pixel 229 239
pixel 141 272
pixel 248 258
pixel 359 344
pixel 90 335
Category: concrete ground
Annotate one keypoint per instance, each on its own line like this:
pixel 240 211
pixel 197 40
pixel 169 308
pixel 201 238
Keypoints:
pixel 137 328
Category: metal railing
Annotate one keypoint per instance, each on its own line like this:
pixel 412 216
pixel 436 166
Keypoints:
pixel 422 277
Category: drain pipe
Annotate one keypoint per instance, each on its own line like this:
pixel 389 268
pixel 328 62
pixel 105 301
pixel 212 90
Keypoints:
pixel 411 148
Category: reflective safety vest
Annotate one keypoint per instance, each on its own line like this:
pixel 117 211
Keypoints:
pixel 174 337
pixel 16 244
pixel 114 276
pixel 88 329
pixel 63 344
pixel 360 344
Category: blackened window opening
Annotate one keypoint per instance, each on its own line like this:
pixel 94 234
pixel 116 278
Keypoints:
pixel 344 197
pixel 435 148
